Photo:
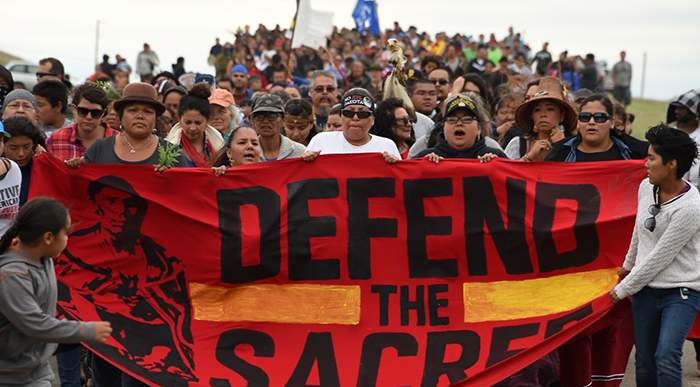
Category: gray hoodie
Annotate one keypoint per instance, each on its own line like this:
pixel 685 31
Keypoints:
pixel 28 328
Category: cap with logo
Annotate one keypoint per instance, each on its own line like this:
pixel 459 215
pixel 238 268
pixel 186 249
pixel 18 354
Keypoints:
pixel 460 101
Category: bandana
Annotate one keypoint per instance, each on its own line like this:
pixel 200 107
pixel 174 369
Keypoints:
pixel 357 99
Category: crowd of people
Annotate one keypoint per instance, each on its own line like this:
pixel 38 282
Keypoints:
pixel 466 97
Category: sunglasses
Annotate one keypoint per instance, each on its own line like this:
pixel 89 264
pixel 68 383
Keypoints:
pixel 650 223
pixel 94 113
pixel 440 82
pixel 320 89
pixel 350 114
pixel 597 117
pixel 41 75
pixel 404 121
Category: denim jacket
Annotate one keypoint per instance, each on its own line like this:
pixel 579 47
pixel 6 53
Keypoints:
pixel 572 142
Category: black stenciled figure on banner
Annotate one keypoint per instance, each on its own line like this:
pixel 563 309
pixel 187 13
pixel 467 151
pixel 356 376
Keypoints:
pixel 152 296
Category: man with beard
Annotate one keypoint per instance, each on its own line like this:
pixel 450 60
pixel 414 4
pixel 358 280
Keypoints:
pixel 149 287
pixel 323 93
pixel 268 121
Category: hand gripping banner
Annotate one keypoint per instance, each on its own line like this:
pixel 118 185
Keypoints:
pixel 343 271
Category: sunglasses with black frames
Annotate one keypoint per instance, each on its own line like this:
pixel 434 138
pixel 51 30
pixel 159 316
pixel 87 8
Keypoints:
pixel 41 75
pixel 597 117
pixel 94 113
pixel 360 114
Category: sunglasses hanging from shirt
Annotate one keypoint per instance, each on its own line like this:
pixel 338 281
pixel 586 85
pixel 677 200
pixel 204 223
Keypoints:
pixel 654 209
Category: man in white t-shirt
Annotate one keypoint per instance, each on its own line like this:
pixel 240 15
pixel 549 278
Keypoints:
pixel 358 117
pixel 10 183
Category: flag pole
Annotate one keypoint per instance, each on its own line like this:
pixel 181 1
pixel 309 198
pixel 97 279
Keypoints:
pixel 291 42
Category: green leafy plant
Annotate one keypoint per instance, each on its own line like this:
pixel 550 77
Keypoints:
pixel 168 155
pixel 112 93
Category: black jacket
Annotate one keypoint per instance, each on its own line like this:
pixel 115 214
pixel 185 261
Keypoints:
pixel 443 149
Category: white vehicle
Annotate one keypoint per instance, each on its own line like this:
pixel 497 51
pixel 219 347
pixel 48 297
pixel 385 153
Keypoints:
pixel 23 73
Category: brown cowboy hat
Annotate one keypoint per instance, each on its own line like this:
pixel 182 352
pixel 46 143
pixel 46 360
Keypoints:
pixel 550 88
pixel 139 93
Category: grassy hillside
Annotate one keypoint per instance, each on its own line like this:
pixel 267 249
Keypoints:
pixel 5 57
pixel 647 113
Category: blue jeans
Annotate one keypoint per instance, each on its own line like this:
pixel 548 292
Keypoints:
pixel 662 319
pixel 68 358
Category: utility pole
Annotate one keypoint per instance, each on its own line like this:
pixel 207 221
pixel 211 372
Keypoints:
pixel 644 74
pixel 97 41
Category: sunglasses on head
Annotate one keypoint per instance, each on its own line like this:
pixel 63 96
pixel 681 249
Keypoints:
pixel 320 89
pixel 597 117
pixel 440 82
pixel 94 113
pixel 351 114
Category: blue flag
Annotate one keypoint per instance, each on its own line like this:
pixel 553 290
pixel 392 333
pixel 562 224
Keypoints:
pixel 366 13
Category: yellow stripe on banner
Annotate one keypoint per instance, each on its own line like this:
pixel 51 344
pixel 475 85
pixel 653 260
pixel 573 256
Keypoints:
pixel 296 304
pixel 513 300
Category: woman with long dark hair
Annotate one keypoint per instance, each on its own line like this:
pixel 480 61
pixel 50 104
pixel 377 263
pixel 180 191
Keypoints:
pixel 393 121
pixel 199 140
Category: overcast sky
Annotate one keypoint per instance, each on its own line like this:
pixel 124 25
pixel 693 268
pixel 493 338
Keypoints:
pixel 667 31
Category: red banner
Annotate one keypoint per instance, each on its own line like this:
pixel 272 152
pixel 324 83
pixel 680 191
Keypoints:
pixel 343 271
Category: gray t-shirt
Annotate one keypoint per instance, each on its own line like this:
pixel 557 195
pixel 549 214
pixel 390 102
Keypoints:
pixel 102 152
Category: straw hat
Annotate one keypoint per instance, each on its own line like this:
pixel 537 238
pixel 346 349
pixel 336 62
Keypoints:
pixel 550 89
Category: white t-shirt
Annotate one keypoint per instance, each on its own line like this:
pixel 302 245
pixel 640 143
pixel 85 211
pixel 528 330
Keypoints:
pixel 335 143
pixel 9 196
pixel 423 126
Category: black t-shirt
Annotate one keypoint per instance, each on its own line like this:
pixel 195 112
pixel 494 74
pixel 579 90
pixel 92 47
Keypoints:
pixel 543 58
pixel 611 154
pixel 102 152
pixel 589 77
